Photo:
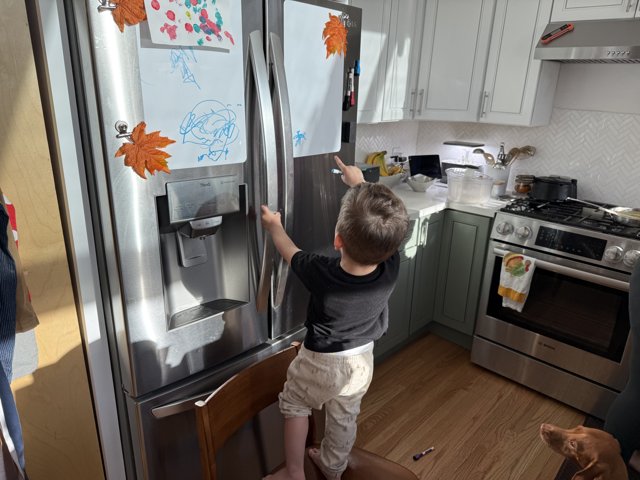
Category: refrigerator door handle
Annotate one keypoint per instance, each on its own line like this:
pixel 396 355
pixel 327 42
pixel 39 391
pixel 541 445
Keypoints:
pixel 267 169
pixel 283 114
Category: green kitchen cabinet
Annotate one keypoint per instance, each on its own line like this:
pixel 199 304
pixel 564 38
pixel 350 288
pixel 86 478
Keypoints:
pixel 399 307
pixel 400 299
pixel 462 254
pixel 426 272
pixel 411 303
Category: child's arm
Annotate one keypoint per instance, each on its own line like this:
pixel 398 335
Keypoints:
pixel 351 175
pixel 272 224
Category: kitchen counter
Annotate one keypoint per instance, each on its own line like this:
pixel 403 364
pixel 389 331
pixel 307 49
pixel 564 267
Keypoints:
pixel 421 204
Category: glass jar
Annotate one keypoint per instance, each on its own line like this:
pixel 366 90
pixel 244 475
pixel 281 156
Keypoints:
pixel 523 183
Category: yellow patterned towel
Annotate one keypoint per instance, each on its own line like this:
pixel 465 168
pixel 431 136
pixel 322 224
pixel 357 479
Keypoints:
pixel 515 280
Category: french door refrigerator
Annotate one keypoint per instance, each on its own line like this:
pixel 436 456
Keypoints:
pixel 192 287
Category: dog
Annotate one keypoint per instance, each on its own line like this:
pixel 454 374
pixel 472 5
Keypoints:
pixel 595 451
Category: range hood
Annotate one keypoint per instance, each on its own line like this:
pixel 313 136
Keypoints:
pixel 594 41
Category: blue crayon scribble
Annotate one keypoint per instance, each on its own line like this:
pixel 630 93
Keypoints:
pixel 299 137
pixel 179 61
pixel 211 125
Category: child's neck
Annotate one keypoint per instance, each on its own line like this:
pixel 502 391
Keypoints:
pixel 356 269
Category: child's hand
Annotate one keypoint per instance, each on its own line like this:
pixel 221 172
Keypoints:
pixel 351 175
pixel 270 219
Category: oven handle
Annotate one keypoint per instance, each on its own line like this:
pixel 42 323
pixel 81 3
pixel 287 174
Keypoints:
pixel 572 272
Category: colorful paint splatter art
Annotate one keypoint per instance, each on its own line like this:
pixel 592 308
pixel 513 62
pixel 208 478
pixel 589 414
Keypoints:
pixel 195 23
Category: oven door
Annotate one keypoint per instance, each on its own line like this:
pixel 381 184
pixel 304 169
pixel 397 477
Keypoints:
pixel 576 316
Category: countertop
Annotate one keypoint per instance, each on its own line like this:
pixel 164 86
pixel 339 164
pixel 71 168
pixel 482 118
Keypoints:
pixel 421 204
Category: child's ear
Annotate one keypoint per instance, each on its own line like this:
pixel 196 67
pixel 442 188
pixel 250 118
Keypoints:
pixel 337 242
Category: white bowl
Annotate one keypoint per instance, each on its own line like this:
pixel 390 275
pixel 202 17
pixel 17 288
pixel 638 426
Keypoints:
pixel 420 182
pixel 392 180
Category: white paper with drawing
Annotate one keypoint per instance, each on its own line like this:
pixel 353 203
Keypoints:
pixel 196 97
pixel 195 23
pixel 314 78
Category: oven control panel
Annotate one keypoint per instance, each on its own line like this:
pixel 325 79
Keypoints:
pixel 573 242
pixel 570 242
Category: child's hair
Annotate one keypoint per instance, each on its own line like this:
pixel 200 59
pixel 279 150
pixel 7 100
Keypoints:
pixel 372 222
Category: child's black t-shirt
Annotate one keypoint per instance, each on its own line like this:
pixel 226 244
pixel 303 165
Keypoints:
pixel 345 311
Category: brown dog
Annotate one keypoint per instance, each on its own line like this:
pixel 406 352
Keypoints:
pixel 596 451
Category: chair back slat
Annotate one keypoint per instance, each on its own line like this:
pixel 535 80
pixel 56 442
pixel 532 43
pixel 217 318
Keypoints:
pixel 241 398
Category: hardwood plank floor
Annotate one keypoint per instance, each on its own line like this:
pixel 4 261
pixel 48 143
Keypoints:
pixel 483 426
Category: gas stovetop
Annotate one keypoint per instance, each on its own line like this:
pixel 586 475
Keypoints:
pixel 572 213
pixel 568 229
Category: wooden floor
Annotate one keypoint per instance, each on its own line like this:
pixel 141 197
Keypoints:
pixel 483 427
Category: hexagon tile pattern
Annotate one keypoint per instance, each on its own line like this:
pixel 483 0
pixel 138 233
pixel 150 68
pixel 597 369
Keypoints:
pixel 601 150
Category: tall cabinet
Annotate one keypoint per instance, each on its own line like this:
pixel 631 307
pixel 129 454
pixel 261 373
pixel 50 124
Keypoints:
pixel 55 401
pixel 518 89
pixel 402 60
pixel 376 18
pixel 388 58
pixel 453 59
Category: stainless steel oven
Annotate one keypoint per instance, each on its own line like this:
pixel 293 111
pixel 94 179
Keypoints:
pixel 571 340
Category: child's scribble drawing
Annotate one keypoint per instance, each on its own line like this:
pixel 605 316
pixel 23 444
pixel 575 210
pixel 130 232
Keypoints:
pixel 211 125
pixel 180 59
pixel 299 137
pixel 191 22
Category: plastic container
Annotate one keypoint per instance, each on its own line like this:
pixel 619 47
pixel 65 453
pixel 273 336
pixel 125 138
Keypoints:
pixel 468 186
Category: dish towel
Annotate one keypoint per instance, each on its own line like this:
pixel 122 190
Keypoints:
pixel 515 280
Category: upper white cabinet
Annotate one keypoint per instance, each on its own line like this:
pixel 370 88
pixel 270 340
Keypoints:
pixel 376 17
pixel 453 58
pixel 402 60
pixel 568 10
pixel 518 89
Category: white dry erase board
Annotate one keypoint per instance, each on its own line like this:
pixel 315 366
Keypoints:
pixel 314 80
pixel 195 96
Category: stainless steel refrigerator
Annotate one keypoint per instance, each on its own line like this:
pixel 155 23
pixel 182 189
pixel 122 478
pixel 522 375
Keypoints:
pixel 192 287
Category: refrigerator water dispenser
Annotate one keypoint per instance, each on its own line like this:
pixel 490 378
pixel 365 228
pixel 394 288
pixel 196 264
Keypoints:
pixel 204 248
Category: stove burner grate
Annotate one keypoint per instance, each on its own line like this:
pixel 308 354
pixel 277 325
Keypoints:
pixel 570 213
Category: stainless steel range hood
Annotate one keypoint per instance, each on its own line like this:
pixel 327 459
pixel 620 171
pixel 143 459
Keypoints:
pixel 594 41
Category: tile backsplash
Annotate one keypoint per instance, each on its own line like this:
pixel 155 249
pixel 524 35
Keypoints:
pixel 601 150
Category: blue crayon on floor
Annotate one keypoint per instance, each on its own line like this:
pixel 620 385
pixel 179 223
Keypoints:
pixel 418 456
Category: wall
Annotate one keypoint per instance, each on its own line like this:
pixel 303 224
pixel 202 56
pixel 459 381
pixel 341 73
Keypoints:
pixel 593 136
pixel 54 402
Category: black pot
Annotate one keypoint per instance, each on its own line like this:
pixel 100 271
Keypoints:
pixel 554 188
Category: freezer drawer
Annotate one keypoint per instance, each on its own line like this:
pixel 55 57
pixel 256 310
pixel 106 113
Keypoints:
pixel 167 438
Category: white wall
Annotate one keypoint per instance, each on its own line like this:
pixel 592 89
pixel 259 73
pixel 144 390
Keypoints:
pixel 593 136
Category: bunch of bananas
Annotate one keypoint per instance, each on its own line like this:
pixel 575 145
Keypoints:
pixel 377 158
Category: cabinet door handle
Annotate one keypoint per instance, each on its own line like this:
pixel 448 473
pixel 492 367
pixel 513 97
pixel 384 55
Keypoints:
pixel 485 97
pixel 423 233
pixel 412 101
pixel 420 100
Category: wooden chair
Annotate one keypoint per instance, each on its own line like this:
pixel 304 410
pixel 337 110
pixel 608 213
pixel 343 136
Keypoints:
pixel 247 393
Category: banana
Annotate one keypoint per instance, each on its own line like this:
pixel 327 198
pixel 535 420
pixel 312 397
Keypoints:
pixel 377 158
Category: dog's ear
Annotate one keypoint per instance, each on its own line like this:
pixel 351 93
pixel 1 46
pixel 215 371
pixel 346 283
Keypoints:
pixel 590 472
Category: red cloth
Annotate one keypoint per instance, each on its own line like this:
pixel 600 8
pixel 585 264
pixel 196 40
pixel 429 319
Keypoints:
pixel 11 211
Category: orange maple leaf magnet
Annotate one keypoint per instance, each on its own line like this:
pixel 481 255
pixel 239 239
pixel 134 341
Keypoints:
pixel 335 36
pixel 129 12
pixel 143 151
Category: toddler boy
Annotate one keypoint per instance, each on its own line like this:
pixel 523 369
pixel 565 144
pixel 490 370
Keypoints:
pixel 348 311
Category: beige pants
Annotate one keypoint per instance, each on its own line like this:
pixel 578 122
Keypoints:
pixel 336 382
